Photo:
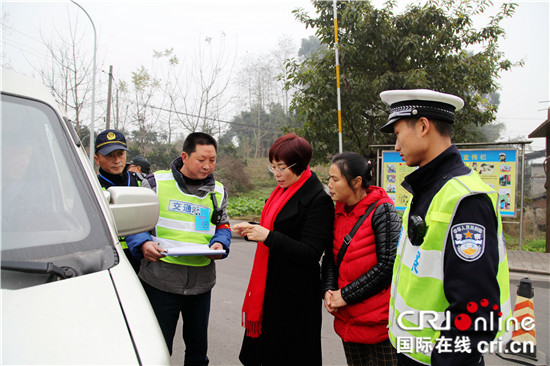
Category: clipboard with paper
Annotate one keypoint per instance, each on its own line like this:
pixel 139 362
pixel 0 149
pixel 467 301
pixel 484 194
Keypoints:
pixel 178 248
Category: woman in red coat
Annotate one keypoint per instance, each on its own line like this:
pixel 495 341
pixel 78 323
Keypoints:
pixel 357 278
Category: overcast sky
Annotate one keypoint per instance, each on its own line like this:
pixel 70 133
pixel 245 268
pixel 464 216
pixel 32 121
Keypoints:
pixel 129 31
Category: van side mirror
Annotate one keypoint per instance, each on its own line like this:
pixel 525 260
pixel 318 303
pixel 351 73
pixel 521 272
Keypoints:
pixel 135 209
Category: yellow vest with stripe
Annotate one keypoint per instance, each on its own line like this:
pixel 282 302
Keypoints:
pixel 419 287
pixel 182 217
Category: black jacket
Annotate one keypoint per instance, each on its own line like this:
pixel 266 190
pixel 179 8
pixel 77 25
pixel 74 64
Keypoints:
pixel 291 328
pixel 128 179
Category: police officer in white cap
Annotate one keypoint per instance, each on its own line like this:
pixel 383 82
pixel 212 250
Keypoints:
pixel 451 263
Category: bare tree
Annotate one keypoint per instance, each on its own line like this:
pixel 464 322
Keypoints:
pixel 170 87
pixel 257 81
pixel 286 49
pixel 7 27
pixel 197 89
pixel 145 117
pixel 120 106
pixel 68 70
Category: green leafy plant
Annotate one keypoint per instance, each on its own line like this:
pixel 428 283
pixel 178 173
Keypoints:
pixel 245 207
pixel 530 245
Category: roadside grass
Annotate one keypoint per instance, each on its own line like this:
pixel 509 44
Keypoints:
pixel 530 245
pixel 245 208
pixel 532 240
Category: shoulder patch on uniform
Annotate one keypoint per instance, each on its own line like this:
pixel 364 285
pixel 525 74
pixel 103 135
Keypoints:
pixel 468 241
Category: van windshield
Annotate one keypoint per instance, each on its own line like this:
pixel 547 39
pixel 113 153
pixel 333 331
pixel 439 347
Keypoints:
pixel 49 211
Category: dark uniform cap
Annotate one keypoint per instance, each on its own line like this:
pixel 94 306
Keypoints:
pixel 418 103
pixel 109 141
pixel 142 162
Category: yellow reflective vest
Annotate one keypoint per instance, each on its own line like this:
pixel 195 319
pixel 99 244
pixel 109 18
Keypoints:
pixel 184 217
pixel 419 289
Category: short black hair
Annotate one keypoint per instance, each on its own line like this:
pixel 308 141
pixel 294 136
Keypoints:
pixel 444 128
pixel 198 138
pixel 140 161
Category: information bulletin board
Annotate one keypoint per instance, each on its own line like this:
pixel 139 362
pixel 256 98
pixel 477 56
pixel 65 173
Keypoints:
pixel 497 168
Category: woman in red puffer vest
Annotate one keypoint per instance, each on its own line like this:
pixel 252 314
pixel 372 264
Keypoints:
pixel 357 279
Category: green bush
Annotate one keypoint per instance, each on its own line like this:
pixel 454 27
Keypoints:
pixel 245 207
pixel 232 173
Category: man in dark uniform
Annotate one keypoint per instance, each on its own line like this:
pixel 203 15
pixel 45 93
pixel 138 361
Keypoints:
pixel 110 147
pixel 451 257
pixel 139 165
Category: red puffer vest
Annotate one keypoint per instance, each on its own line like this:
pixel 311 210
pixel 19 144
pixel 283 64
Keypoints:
pixel 366 321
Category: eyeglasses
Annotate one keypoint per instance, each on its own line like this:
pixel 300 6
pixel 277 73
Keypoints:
pixel 278 170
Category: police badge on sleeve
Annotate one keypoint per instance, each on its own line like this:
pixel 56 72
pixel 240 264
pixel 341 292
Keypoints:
pixel 468 241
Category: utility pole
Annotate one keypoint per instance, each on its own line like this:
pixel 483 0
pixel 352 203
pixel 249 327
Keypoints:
pixel 92 146
pixel 547 185
pixel 544 131
pixel 335 14
pixel 116 106
pixel 108 121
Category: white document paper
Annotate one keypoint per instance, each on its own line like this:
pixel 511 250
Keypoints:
pixel 179 248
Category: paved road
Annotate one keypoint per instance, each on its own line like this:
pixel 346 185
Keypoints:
pixel 225 331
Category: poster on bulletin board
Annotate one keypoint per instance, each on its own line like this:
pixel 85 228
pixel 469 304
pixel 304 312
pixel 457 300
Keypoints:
pixel 497 168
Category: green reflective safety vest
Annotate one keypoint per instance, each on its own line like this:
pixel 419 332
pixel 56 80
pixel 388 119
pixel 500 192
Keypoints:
pixel 184 218
pixel 122 240
pixel 419 287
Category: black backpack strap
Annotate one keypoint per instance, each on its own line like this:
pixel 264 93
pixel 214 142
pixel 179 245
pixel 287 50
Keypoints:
pixel 347 238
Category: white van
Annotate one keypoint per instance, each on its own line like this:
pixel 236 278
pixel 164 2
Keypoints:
pixel 69 295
